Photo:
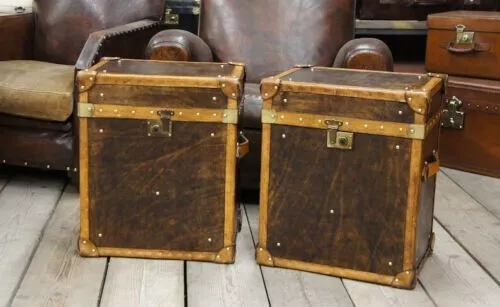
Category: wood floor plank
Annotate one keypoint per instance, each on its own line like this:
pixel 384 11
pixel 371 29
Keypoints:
pixel 476 228
pixel 238 284
pixel 452 278
pixel 366 294
pixel 144 282
pixel 57 275
pixel 296 288
pixel 484 189
pixel 26 204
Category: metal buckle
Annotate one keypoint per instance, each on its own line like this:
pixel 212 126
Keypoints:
pixel 338 139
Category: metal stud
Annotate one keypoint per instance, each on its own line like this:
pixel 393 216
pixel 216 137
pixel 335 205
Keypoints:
pixel 212 134
pixel 3 161
pixel 68 168
pixel 133 111
pixel 407 272
pixel 115 110
pixel 261 249
pixel 75 170
pixel 214 115
pixel 275 87
pixel 273 116
pixel 101 131
pixel 99 235
pixel 222 66
pixel 233 94
pixel 366 126
pixel 105 71
pixel 48 165
pixel 228 248
pixel 390 263
pixel 409 99
pixel 93 250
pixel 218 76
pixel 278 244
pixel 152 112
pixel 406 88
pixel 419 77
pixel 400 129
pixel 397 147
pixel 419 109
pixel 283 136
pixel 223 85
pixel 224 115
pixel 319 121
pixel 400 112
pixel 157 193
pixel 412 131
pixel 301 119
pixel 265 94
pixel 382 127
pixel 89 108
pixel 84 242
pixel 25 163
pixel 209 239
pixel 218 257
pixel 285 100
pixel 289 79
pixel 282 116
pixel 91 78
pixel 149 134
pixel 214 98
pixel 197 113
pixel 396 280
pixel 82 87
pixel 347 123
pixel 270 259
pixel 100 110
pixel 332 211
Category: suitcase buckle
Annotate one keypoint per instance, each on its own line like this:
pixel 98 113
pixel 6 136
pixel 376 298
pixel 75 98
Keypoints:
pixel 335 138
pixel 163 126
pixel 464 37
pixel 452 116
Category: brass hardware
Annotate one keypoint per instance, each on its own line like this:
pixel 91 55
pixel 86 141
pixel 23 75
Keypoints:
pixel 452 117
pixel 85 110
pixel 171 18
pixel 337 139
pixel 163 126
pixel 464 37
pixel 268 116
pixel 230 116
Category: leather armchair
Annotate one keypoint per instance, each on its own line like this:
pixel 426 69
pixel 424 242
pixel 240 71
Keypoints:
pixel 39 58
pixel 271 37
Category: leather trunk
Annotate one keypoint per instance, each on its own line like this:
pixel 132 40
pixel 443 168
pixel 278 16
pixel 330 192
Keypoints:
pixel 464 43
pixel 470 134
pixel 158 155
pixel 349 160
pixel 417 9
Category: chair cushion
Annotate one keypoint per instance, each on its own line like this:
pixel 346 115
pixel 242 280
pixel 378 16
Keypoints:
pixel 38 90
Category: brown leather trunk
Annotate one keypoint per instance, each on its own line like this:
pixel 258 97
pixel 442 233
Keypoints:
pixel 418 9
pixel 464 43
pixel 348 172
pixel 158 153
pixel 470 134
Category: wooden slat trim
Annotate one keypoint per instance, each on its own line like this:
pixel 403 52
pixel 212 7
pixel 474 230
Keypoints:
pixel 84 180
pixel 180 114
pixel 398 96
pixel 155 254
pixel 157 80
pixel 413 131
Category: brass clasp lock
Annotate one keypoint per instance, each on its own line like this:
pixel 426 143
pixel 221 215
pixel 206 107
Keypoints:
pixel 452 117
pixel 171 18
pixel 464 37
pixel 163 126
pixel 335 138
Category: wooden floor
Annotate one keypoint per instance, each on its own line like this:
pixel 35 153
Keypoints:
pixel 39 265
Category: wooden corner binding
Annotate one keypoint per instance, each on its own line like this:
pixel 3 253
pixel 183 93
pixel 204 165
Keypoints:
pixel 225 255
pixel 263 257
pixel 405 280
pixel 230 87
pixel 86 80
pixel 269 87
pixel 417 100
pixel 87 248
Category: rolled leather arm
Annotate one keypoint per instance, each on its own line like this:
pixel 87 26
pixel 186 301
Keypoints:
pixel 178 45
pixel 125 41
pixel 365 53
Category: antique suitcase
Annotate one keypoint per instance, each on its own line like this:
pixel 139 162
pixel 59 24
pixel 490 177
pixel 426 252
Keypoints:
pixel 470 134
pixel 183 14
pixel 349 159
pixel 464 43
pixel 417 9
pixel 158 153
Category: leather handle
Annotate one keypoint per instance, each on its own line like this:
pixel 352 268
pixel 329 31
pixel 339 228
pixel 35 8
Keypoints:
pixel 428 2
pixel 243 146
pixel 431 168
pixel 452 48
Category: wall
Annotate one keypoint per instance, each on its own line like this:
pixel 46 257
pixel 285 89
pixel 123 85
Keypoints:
pixel 4 3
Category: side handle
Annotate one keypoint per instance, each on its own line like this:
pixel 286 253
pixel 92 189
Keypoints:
pixel 431 167
pixel 243 146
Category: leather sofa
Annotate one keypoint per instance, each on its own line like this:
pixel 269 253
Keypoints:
pixel 40 55
pixel 271 37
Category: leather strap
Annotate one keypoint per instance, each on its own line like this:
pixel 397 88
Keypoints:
pixel 243 146
pixel 431 168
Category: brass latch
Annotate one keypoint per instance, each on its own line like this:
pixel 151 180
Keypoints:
pixel 452 116
pixel 171 18
pixel 337 139
pixel 163 126
pixel 464 37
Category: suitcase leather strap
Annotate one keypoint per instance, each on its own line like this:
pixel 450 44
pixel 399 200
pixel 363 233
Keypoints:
pixel 243 146
pixel 431 168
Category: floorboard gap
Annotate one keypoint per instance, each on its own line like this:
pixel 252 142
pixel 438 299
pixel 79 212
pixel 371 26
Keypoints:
pixel 33 252
pixel 468 252
pixel 426 292
pixel 260 267
pixel 185 285
pixel 470 195
pixel 347 291
pixel 103 283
